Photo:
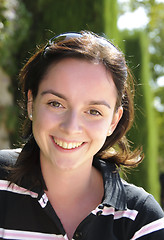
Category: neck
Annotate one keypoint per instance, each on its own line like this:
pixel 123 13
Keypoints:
pixel 75 182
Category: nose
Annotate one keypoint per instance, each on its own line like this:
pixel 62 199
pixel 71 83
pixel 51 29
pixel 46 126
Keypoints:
pixel 71 123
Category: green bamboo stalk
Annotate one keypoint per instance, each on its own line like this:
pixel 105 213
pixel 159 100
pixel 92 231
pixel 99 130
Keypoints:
pixel 152 138
pixel 110 19
pixel 145 130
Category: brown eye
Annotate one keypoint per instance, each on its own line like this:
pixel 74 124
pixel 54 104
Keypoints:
pixel 55 104
pixel 94 112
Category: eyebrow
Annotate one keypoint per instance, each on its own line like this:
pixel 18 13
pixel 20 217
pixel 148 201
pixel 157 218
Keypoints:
pixel 104 103
pixel 50 91
pixel 53 93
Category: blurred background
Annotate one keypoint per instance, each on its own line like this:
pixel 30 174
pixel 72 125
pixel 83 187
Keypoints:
pixel 136 26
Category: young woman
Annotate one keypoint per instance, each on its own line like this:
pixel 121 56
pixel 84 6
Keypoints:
pixel 64 183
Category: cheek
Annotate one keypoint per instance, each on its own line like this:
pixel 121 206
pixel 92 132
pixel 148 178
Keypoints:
pixel 42 120
pixel 97 135
pixel 99 129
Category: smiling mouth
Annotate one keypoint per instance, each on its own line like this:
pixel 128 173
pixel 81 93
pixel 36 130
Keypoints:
pixel 66 145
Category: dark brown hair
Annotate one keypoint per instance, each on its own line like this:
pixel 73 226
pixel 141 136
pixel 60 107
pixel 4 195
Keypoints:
pixel 90 47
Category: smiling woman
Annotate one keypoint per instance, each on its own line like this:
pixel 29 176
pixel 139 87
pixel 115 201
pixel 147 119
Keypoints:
pixel 73 115
pixel 65 183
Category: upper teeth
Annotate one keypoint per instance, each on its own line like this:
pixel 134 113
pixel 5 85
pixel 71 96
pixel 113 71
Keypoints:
pixel 66 145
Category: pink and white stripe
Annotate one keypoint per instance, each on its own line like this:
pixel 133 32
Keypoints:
pixel 4 185
pixel 149 228
pixel 26 235
pixel 131 214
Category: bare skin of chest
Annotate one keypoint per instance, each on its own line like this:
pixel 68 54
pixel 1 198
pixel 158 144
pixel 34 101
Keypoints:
pixel 71 215
pixel 72 209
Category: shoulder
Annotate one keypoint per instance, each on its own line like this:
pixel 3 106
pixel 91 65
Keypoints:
pixel 138 198
pixel 134 194
pixel 149 216
pixel 8 157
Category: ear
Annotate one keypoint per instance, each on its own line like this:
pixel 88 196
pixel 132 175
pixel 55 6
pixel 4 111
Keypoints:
pixel 116 118
pixel 30 104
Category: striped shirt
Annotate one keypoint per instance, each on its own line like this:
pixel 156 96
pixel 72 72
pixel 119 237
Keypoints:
pixel 127 212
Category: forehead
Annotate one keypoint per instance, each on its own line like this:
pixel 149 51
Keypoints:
pixel 79 78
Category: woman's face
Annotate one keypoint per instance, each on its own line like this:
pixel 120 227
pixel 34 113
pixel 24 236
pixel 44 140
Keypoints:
pixel 73 112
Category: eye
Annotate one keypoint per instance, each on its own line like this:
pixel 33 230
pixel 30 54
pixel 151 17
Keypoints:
pixel 94 112
pixel 55 104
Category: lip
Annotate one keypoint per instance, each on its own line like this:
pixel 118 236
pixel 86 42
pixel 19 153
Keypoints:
pixel 75 144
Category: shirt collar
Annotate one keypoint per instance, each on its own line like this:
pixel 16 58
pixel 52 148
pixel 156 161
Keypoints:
pixel 114 192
